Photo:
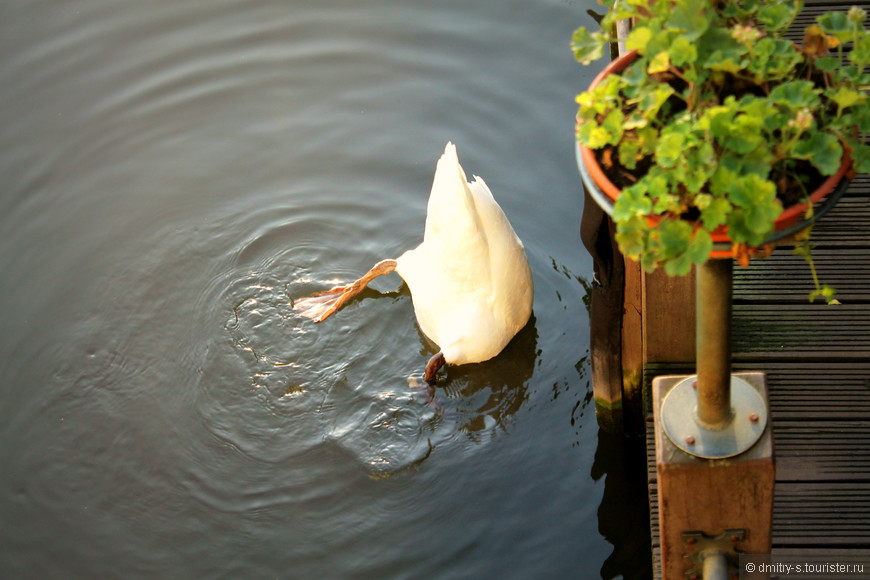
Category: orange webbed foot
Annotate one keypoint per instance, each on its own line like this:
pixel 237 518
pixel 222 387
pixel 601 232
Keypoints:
pixel 322 305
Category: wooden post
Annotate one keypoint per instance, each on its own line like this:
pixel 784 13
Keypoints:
pixel 605 315
pixel 669 317
pixel 634 406
pixel 711 496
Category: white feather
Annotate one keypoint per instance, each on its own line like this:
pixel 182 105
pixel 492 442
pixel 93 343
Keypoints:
pixel 469 279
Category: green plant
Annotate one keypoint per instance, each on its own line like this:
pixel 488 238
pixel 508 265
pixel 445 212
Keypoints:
pixel 721 121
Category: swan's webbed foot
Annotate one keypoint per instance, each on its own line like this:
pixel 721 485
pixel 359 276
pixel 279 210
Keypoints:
pixel 435 363
pixel 322 305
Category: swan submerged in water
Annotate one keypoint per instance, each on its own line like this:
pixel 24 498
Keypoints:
pixel 470 281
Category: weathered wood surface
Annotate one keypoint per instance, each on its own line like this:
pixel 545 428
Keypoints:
pixel 787 280
pixel 822 515
pixel 809 332
pixel 822 451
pixel 710 496
pixel 668 317
pixel 605 315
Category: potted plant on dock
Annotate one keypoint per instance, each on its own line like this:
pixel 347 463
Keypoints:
pixel 715 131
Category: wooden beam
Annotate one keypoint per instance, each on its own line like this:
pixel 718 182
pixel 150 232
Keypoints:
pixel 605 315
pixel 668 317
pixel 634 406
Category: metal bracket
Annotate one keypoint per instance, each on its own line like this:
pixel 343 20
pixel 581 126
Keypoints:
pixel 703 549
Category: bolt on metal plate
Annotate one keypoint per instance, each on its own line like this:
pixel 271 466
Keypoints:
pixel 680 421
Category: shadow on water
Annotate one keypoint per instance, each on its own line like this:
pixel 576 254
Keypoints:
pixel 485 395
pixel 623 515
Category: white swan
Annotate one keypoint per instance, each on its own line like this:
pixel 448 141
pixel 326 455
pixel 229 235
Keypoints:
pixel 470 280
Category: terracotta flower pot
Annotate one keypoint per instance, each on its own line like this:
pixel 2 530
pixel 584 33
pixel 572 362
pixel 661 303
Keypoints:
pixel 788 217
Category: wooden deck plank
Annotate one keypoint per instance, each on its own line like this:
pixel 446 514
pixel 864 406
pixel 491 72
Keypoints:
pixel 785 278
pixel 821 514
pixel 822 451
pixel 816 390
pixel 813 331
pixel 847 225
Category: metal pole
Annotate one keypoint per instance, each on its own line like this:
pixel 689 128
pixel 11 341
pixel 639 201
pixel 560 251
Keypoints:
pixel 715 566
pixel 713 304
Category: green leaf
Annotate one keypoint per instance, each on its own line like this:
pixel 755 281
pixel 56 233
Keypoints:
pixel 629 153
pixel 674 237
pixel 631 203
pixel 634 121
pixel 631 235
pixel 657 184
pixel 845 97
pixel 667 203
pixel 700 246
pixel 825 292
pixel 592 135
pixel 653 100
pixel 588 47
pixel 745 134
pixel 638 38
pixel 659 63
pixel 778 15
pixel 750 191
pixel 827 64
pixel 774 58
pixel 649 138
pixel 723 177
pixel 860 53
pixel 751 221
pixel 837 24
pixel 718 119
pixel 740 228
pixel 683 51
pixel 690 17
pixel 613 125
pixel 669 149
pixel 760 217
pixel 823 150
pixel 600 99
pixel 719 51
pixel 715 213
pixel 861 157
pixel 796 94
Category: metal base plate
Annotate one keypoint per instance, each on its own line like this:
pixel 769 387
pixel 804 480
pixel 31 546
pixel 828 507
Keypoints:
pixel 680 423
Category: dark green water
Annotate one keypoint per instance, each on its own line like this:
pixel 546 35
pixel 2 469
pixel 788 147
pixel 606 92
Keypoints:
pixel 171 174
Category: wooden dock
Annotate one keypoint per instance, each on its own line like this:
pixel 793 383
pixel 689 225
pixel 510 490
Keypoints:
pixel 817 360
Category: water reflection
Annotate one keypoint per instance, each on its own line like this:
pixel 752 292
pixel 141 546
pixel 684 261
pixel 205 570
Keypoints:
pixel 623 515
pixel 480 397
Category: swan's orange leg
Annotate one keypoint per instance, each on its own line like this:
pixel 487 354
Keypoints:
pixel 323 304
